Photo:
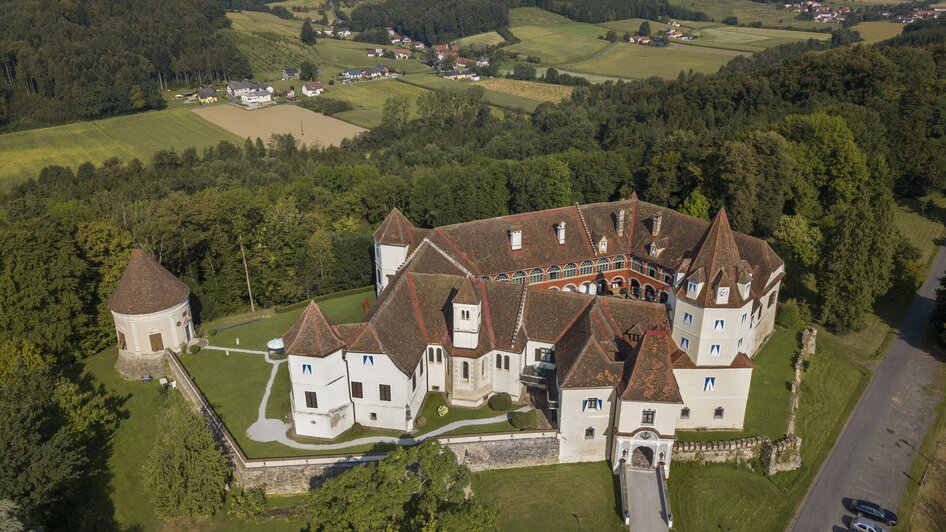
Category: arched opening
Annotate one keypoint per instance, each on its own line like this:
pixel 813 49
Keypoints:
pixel 617 283
pixel 636 288
pixel 585 287
pixel 602 287
pixel 649 293
pixel 570 288
pixel 664 296
pixel 642 458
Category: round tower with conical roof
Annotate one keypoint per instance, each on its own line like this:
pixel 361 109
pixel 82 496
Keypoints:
pixel 152 313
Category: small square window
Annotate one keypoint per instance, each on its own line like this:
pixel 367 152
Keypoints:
pixel 685 413
pixel 684 343
pixel 709 384
pixel 691 287
pixel 307 369
pixel 367 360
pixel 590 433
pixel 718 413
pixel 714 350
pixel 373 416
pixel 647 417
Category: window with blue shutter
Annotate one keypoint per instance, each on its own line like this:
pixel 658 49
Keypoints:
pixel 592 403
pixel 307 369
pixel 739 344
pixel 714 349
pixel 688 318
pixel 691 287
pixel 744 319
pixel 367 360
pixel 684 343
pixel 719 325
pixel 709 384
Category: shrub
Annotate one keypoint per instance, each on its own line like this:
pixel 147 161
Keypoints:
pixel 421 422
pixel 442 410
pixel 212 332
pixel 194 349
pixel 524 420
pixel 249 504
pixel 500 402
pixel 793 314
pixel 356 428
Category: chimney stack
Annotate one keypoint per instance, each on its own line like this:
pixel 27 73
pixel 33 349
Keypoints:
pixel 658 218
pixel 515 238
pixel 560 231
pixel 621 222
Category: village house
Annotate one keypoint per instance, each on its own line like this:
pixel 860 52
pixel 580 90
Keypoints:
pixel 342 33
pixel 402 53
pixel 419 46
pixel 256 98
pixel 313 88
pixel 290 73
pixel 375 52
pixel 206 95
pixel 441 51
pixel 239 88
pixel 460 74
pixel 641 39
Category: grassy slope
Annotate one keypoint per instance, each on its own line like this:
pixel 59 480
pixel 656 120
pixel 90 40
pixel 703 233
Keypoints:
pixel 750 39
pixel 479 40
pixel 747 11
pixel 492 97
pixel 126 137
pixel 559 44
pixel 630 60
pixel 534 16
pixel 368 99
pixel 556 497
pixel 878 31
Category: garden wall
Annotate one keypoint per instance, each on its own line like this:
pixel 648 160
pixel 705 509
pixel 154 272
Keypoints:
pixel 741 450
pixel 298 475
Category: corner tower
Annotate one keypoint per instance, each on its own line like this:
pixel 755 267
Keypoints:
pixel 392 241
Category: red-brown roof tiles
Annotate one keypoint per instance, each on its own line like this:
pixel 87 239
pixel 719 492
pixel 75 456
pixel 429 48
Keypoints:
pixel 146 287
pixel 312 334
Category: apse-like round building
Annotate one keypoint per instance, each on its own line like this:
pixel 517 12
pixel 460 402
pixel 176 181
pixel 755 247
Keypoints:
pixel 152 313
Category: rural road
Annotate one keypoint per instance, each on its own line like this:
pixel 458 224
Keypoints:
pixel 874 452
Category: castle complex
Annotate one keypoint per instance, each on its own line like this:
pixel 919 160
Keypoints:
pixel 622 321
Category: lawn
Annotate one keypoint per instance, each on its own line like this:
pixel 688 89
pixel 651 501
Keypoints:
pixel 873 32
pixel 556 497
pixel 769 394
pixel 126 137
pixel 492 97
pixel 534 16
pixel 368 99
pixel 268 324
pixel 628 60
pixel 132 443
pixel 559 44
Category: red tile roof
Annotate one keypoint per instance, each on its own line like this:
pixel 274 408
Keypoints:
pixel 312 334
pixel 146 287
pixel 395 229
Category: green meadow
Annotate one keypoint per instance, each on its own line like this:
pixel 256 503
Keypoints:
pixel 125 137
pixel 492 97
pixel 628 60
pixel 368 99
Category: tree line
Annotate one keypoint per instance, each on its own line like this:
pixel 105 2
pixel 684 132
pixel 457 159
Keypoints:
pixel 96 58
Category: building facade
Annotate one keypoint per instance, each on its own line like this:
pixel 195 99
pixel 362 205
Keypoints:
pixel 631 319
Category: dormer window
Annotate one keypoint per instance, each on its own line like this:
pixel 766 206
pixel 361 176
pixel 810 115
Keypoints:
pixel 603 245
pixel 560 232
pixel 653 250
pixel 464 314
pixel 515 239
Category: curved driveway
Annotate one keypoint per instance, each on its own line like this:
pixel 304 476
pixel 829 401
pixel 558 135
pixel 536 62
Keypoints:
pixel 874 452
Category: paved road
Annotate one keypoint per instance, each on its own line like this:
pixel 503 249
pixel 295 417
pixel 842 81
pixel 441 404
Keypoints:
pixel 874 452
pixel 643 504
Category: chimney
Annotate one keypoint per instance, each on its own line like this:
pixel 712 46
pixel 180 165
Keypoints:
pixel 560 231
pixel 621 222
pixel 515 239
pixel 658 218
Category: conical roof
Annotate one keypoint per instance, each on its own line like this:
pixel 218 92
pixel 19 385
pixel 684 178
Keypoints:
pixel 716 261
pixel 466 294
pixel 395 229
pixel 312 334
pixel 146 287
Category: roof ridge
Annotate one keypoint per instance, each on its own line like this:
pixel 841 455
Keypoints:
pixel 519 316
pixel 457 249
pixel 584 225
pixel 452 260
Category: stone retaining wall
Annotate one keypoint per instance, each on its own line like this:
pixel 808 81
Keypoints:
pixel 738 451
pixel 132 367
pixel 495 451
pixel 782 455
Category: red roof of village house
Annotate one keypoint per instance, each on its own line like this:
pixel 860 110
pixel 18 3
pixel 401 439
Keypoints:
pixel 146 287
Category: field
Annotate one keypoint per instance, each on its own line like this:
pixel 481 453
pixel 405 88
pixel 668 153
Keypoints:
pixel 555 497
pixel 559 44
pixel 480 40
pixel 312 129
pixel 747 11
pixel 878 31
pixel 534 16
pixel 629 60
pixel 632 25
pixel 492 97
pixel 368 99
pixel 544 92
pixel 750 39
pixel 25 153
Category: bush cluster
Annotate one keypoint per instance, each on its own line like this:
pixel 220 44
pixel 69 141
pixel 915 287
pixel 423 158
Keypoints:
pixel 524 420
pixel 793 314
pixel 500 402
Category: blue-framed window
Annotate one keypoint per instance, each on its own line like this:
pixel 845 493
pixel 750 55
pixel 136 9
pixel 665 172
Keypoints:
pixel 714 349
pixel 719 325
pixel 307 369
pixel 709 384
pixel 367 360
pixel 688 318
pixel 691 287
pixel 684 343
pixel 592 403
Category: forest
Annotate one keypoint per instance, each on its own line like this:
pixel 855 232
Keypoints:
pixel 435 21
pixel 805 148
pixel 65 61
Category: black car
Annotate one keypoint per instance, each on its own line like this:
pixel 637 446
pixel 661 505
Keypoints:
pixel 873 511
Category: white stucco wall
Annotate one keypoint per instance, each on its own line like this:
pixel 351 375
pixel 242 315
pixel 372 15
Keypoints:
pixel 731 391
pixel 529 355
pixel 701 334
pixel 575 420
pixel 507 380
pixel 628 415
pixel 387 260
pixel 373 370
pixel 173 324
pixel 326 377
pixel 474 390
pixel 436 372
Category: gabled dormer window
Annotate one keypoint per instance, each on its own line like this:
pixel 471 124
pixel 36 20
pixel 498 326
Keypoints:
pixel 603 245
pixel 654 251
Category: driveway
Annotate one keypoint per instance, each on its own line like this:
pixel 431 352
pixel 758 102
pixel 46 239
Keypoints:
pixel 874 452
pixel 643 500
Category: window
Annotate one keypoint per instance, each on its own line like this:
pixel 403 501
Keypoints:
pixel 421 368
pixel 430 354
pixel 157 343
pixel 603 265
pixel 356 391
pixel 464 314
pixel 668 277
pixel 771 299
pixel 684 343
pixel 691 287
pixel 688 318
pixel 587 267
pixel 367 360
pixel 652 271
pixel 685 413
pixel 653 250
pixel 373 416
pixel 555 273
pixel 499 361
pixel 544 354
pixel 592 403
pixel 519 277
pixel 483 368
pixel 752 321
pixel 570 269
pixel 709 384
pixel 590 433
pixel 718 413
pixel 536 276
pixel 619 262
pixel 719 325
pixel 739 344
pixel 603 245
pixel 307 369
pixel 647 417
pixel 466 371
pixel 385 391
pixel 506 362
pixel 744 318
pixel 311 400
pixel 502 277
pixel 122 343
pixel 637 265
pixel 714 350
pixel 413 381
pixel 439 355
